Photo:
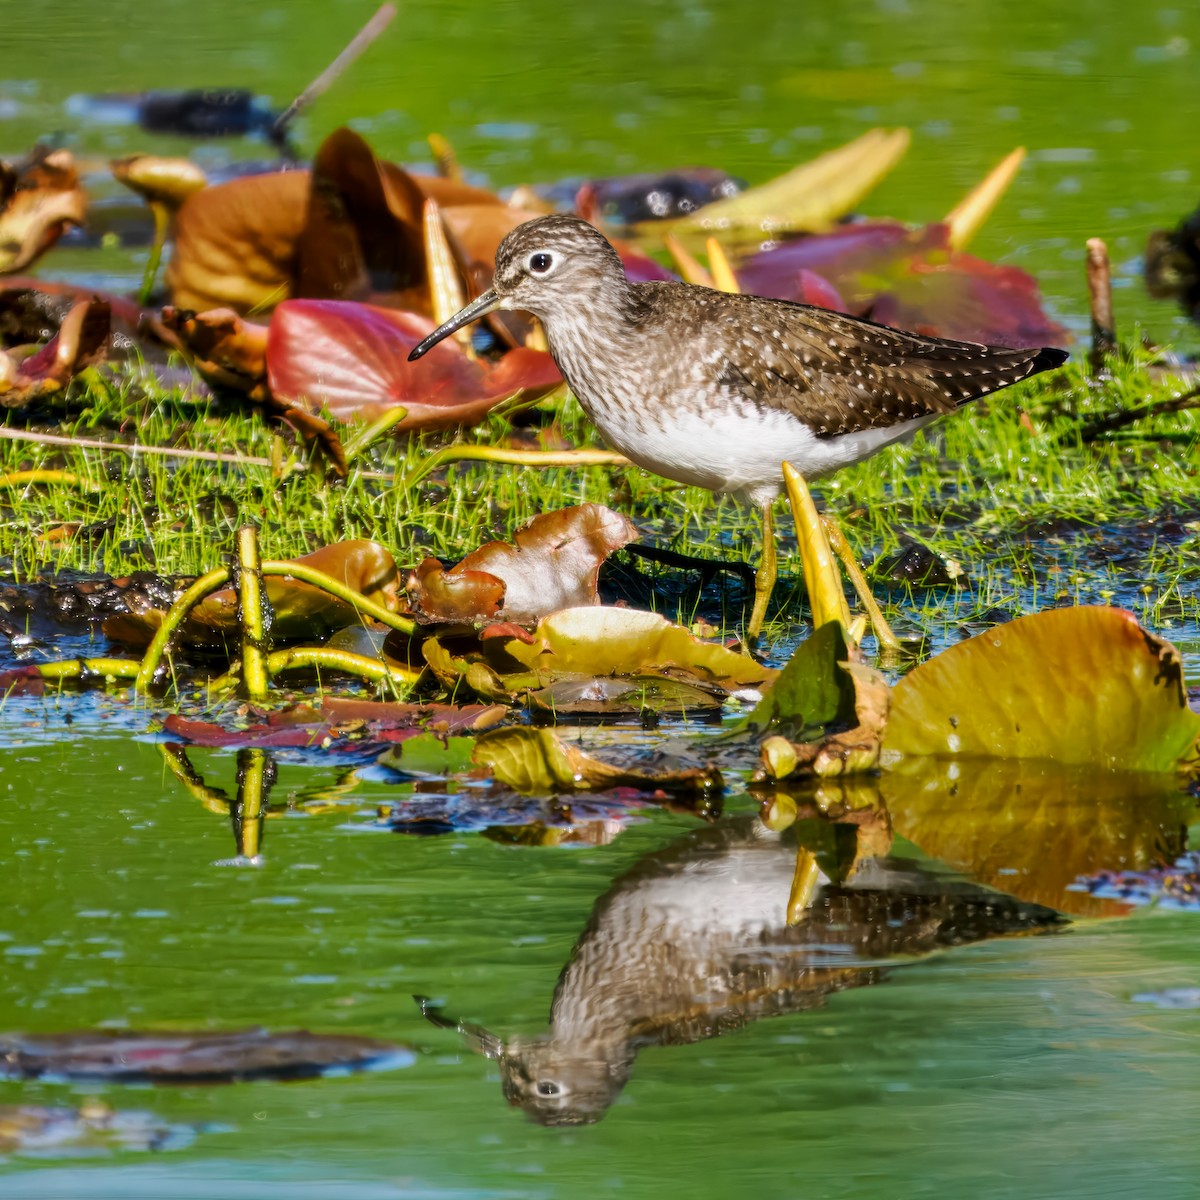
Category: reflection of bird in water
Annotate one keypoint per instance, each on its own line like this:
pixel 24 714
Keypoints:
pixel 693 942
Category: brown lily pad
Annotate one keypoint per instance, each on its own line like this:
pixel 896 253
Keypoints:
pixel 39 200
pixel 226 350
pixel 301 610
pixel 202 1057
pixel 553 562
pixel 349 229
pixel 352 359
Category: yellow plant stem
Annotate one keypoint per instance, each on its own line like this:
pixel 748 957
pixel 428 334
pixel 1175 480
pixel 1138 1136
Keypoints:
pixel 162 222
pixel 366 438
pixel 841 547
pixel 327 583
pixel 210 582
pixel 78 668
pixel 821 575
pixel 722 273
pixel 311 657
pixel 67 478
pixel 517 458
pixel 252 602
pixel 804 884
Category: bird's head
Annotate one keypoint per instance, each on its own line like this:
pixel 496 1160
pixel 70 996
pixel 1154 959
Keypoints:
pixel 546 266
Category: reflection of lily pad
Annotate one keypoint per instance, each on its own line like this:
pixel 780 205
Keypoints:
pixel 135 1057
pixel 1034 829
pixel 1072 685
pixel 42 1130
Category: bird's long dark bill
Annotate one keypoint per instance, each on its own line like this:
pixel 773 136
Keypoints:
pixel 488 302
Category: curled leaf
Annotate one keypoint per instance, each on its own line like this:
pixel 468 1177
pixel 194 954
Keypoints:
pixel 623 641
pixel 80 341
pixel 553 562
pixel 227 351
pixel 39 200
pixel 353 360
pixel 1083 686
pixel 159 180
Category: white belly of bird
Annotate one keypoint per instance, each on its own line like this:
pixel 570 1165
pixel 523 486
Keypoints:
pixel 737 451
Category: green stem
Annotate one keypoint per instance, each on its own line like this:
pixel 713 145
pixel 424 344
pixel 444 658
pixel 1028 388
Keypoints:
pixel 206 584
pixel 253 605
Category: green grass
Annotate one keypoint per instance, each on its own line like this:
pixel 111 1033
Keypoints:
pixel 1034 518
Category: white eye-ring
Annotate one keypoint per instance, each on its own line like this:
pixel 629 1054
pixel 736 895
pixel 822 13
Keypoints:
pixel 541 263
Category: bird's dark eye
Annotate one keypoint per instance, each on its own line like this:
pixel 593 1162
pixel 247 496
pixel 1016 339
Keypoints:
pixel 540 263
pixel 545 1087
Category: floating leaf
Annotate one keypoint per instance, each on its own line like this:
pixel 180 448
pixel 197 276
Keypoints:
pixel 909 279
pixel 204 1057
pixel 1071 685
pixel 623 641
pixel 39 200
pixel 553 562
pixel 540 761
pixel 353 360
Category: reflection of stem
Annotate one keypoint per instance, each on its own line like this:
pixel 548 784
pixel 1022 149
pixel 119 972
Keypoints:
pixel 804 883
pixel 256 775
pixel 254 608
pixel 162 219
pixel 178 763
pixel 519 458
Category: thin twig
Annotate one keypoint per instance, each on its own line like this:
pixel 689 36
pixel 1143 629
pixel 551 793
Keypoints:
pixel 361 40
pixel 1128 416
pixel 130 448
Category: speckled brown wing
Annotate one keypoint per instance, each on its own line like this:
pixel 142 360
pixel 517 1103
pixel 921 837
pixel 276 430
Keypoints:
pixel 841 375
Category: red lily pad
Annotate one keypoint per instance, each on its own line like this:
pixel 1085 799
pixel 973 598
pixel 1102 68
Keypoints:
pixel 80 341
pixel 909 279
pixel 353 359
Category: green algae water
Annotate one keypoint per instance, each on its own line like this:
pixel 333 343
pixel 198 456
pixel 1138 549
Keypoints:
pixel 1027 1060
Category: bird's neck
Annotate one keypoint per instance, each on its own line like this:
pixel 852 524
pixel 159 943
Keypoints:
pixel 588 337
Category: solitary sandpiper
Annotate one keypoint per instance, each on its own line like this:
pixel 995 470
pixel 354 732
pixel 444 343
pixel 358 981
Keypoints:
pixel 718 389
